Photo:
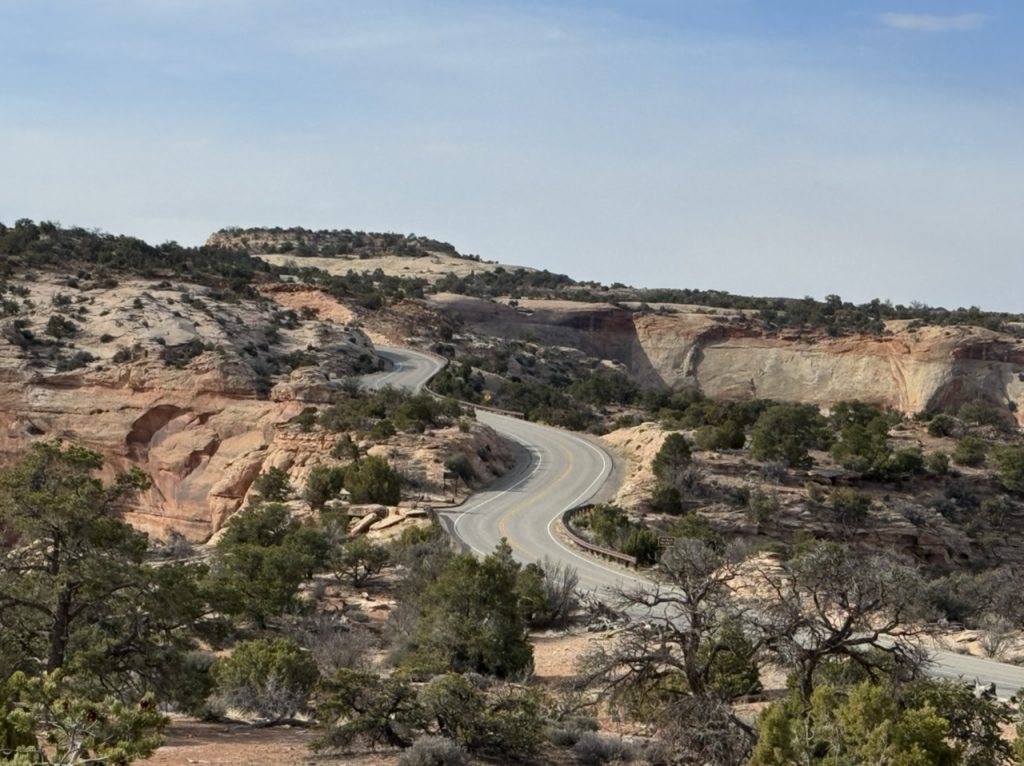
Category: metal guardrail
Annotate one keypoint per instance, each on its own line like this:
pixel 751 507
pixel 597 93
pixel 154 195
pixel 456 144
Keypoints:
pixel 567 515
pixel 497 410
pixel 475 406
pixel 444 363
pixel 588 546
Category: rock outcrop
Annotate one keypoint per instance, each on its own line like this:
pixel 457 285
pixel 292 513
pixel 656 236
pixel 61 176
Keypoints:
pixel 727 356
pixel 908 369
pixel 194 392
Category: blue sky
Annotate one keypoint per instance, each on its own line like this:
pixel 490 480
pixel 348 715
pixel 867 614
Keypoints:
pixel 788 147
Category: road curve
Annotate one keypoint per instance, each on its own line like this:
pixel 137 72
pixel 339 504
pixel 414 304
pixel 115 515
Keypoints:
pixel 406 369
pixel 559 470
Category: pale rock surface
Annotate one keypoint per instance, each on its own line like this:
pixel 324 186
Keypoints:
pixel 726 356
pixel 202 431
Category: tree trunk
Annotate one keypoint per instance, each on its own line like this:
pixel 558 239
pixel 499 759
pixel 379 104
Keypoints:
pixel 59 628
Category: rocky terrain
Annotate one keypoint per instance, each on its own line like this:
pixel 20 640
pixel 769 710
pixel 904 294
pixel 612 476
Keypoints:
pixel 230 382
pixel 724 352
pixel 902 518
pixel 200 388
pixel 726 355
pixel 195 391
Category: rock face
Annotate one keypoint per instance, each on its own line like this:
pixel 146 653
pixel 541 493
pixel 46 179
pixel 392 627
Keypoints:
pixel 909 370
pixel 194 392
pixel 725 356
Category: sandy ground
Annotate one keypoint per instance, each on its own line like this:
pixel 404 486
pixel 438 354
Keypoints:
pixel 218 744
pixel 555 655
pixel 225 745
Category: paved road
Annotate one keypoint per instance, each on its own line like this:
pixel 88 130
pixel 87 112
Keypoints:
pixel 559 470
pixel 407 369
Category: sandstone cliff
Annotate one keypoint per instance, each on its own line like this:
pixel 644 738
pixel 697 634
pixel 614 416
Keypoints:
pixel 193 391
pixel 728 356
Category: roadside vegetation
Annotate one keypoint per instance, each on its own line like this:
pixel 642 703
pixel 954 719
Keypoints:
pixel 101 641
pixel 792 558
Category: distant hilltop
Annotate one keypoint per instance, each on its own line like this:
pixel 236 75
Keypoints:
pixel 329 243
pixel 339 251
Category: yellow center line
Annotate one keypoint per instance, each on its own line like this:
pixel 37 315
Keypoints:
pixel 533 500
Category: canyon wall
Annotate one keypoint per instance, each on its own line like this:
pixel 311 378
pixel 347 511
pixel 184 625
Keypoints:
pixel 726 356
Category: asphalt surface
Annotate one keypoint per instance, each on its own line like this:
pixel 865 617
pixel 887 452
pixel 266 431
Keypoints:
pixel 558 470
pixel 407 369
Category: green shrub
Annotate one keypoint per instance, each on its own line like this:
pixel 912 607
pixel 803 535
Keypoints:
pixel 60 327
pixel 345 449
pixel 273 484
pixel 1010 467
pixel 358 705
pixel 382 429
pixel 728 435
pixel 905 462
pixel 461 466
pixel 323 483
pixel 674 455
pixel 936 463
pixel 508 726
pixel 547 593
pixel 863 444
pixel 643 544
pixel 849 506
pixel 433 751
pixel 180 355
pixel 696 527
pixel 261 560
pixel 942 425
pixel 306 420
pixel 595 750
pixel 666 499
pixel 359 560
pixel 970 451
pixel 470 618
pixel 75 361
pixel 373 480
pixel 269 678
pixel 983 413
pixel 606 522
pixel 123 354
pixel 787 432
pixel 763 506
pixel 815 493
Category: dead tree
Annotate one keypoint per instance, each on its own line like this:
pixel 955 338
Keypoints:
pixel 837 601
pixel 683 657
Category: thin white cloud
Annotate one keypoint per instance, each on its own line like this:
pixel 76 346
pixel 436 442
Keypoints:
pixel 925 22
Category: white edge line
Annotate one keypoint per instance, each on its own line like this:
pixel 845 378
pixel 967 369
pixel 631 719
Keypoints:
pixel 587 492
pixel 498 493
pixel 435 365
pixel 585 495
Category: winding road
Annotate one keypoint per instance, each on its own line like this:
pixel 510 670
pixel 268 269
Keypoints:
pixel 557 470
pixel 406 369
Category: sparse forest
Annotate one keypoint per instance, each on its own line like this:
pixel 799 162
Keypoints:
pixel 791 560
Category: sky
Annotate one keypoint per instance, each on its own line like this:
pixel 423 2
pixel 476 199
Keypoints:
pixel 765 147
